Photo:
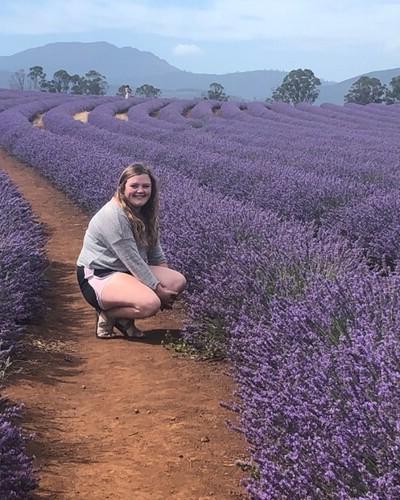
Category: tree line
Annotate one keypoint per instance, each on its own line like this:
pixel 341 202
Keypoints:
pixel 366 90
pixel 91 83
pixel 298 86
pixel 215 91
pixel 301 85
pixel 145 90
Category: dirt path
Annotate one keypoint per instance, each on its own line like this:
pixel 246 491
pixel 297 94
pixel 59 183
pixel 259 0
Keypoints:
pixel 122 116
pixel 83 116
pixel 115 419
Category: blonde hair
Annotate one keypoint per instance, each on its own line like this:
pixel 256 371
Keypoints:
pixel 146 226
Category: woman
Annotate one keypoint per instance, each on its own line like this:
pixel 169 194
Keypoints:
pixel 122 270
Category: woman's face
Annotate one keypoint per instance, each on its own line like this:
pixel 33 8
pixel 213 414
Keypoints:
pixel 138 190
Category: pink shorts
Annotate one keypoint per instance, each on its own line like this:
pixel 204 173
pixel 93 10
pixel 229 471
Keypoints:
pixel 92 283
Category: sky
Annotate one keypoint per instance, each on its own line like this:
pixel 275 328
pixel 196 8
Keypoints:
pixel 336 39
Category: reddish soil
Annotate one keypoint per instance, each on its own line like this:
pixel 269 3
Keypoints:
pixel 38 121
pixel 115 419
pixel 82 117
pixel 122 116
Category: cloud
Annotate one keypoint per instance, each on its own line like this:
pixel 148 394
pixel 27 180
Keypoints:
pixel 334 21
pixel 187 50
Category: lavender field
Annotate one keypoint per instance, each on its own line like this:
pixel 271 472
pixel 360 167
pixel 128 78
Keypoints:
pixel 21 255
pixel 286 223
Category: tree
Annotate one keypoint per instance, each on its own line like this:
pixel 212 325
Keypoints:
pixel 366 90
pixel 299 85
pixel 393 94
pixel 78 84
pixel 216 91
pixel 62 81
pixel 59 84
pixel 17 80
pixel 124 91
pixel 95 83
pixel 37 76
pixel 147 90
pixel 48 86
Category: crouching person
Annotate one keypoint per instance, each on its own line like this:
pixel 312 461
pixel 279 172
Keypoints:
pixel 122 270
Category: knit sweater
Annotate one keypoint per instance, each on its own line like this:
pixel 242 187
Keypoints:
pixel 109 244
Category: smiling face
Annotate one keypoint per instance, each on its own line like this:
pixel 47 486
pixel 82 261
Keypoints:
pixel 138 190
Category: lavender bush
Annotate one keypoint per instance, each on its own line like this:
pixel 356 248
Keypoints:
pixel 22 263
pixel 318 380
pixel 16 473
pixel 311 330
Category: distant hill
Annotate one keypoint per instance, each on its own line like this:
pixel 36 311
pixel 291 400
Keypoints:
pixel 136 67
pixel 81 57
pixel 335 93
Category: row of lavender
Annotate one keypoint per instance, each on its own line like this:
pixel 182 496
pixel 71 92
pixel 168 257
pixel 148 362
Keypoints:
pixel 313 332
pixel 22 264
pixel 347 184
pixel 146 128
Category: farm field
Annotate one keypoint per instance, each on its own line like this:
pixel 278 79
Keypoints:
pixel 286 223
pixel 120 420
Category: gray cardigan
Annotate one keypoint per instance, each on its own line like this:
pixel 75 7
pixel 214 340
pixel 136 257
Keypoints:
pixel 109 244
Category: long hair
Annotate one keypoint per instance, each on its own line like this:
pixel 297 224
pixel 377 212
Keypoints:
pixel 144 227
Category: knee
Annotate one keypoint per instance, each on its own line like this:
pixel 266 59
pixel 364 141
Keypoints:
pixel 150 307
pixel 180 283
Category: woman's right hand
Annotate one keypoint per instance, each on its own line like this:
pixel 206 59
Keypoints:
pixel 166 296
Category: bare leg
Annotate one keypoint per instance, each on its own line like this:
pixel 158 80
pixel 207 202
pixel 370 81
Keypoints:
pixel 169 278
pixel 124 296
pixel 122 312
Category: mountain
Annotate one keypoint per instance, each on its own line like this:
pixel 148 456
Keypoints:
pixel 136 67
pixel 79 58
